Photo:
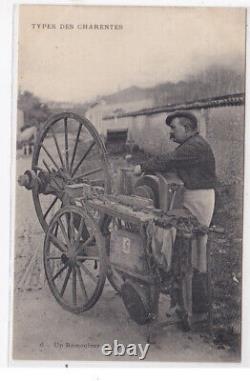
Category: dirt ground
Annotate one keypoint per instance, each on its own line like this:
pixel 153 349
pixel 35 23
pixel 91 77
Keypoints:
pixel 42 330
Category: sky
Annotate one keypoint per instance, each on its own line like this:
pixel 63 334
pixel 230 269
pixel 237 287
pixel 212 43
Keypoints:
pixel 151 45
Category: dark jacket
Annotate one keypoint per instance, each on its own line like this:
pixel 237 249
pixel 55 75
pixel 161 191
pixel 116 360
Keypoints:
pixel 193 161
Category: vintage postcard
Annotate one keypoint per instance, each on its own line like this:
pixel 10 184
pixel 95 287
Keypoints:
pixel 129 184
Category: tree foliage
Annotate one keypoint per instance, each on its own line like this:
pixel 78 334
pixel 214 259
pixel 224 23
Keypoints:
pixel 35 112
pixel 211 82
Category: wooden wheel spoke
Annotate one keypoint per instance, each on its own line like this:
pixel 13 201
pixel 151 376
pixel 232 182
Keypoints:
pixel 50 207
pixel 65 282
pixel 89 273
pixel 56 230
pixel 58 148
pixel 84 292
pixel 88 241
pixel 58 244
pixel 64 232
pixel 59 272
pixel 83 157
pixel 50 172
pixel 49 155
pixel 66 143
pixel 46 166
pixel 85 174
pixel 74 286
pixel 54 179
pixel 72 228
pixel 68 226
pixel 75 146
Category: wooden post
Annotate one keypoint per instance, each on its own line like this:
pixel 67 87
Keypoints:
pixel 209 287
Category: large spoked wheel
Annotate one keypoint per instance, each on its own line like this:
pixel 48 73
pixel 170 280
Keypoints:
pixel 71 151
pixel 75 267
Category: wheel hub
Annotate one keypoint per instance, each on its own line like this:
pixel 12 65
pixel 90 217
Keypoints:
pixel 64 259
pixel 72 256
pixel 76 285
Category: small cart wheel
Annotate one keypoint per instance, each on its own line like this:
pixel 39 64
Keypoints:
pixel 75 267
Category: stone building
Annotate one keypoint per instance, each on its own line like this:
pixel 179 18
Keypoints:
pixel 221 122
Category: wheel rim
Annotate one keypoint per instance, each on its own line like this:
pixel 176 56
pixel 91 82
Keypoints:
pixel 71 147
pixel 75 268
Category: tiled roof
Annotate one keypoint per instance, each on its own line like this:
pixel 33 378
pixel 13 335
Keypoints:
pixel 222 101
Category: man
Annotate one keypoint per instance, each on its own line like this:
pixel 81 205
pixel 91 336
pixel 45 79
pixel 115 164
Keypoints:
pixel 28 136
pixel 194 163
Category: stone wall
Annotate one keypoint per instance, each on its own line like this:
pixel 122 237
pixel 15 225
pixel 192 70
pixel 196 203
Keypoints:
pixel 223 127
pixel 225 133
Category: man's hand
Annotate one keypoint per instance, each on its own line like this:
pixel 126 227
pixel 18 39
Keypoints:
pixel 137 170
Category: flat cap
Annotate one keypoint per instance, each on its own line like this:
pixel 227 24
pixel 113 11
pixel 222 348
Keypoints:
pixel 182 114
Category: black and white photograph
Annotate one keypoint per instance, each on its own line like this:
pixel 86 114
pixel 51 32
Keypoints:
pixel 129 177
